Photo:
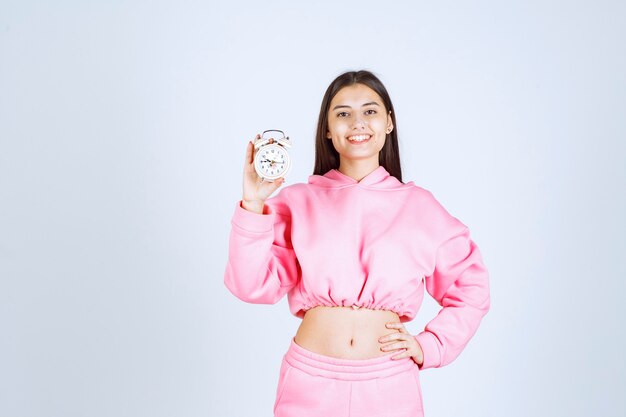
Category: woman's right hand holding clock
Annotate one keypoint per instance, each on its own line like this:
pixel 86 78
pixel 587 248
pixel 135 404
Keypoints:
pixel 255 191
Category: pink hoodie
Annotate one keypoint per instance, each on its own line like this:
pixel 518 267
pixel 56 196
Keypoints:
pixel 373 243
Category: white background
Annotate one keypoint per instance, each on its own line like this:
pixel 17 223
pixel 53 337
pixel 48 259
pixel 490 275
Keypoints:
pixel 123 127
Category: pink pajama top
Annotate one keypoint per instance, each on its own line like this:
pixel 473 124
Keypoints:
pixel 375 243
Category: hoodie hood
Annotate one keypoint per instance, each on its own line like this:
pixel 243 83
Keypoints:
pixel 377 179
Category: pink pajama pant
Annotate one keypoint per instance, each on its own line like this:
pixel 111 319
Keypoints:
pixel 314 385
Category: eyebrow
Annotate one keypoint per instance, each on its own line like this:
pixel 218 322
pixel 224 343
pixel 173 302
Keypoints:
pixel 366 104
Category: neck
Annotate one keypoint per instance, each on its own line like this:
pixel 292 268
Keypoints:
pixel 357 169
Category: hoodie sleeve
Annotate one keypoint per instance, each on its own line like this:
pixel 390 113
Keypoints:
pixel 262 266
pixel 460 284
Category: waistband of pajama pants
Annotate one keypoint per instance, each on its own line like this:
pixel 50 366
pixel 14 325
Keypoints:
pixel 347 369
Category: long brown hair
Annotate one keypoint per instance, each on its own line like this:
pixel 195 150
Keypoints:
pixel 326 157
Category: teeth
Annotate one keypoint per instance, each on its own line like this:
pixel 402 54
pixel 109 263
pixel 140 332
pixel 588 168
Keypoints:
pixel 359 138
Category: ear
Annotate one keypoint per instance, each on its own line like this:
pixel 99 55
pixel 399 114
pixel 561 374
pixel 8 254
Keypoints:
pixel 328 135
pixel 389 122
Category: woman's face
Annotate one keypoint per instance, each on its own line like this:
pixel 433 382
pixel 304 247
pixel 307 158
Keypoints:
pixel 357 113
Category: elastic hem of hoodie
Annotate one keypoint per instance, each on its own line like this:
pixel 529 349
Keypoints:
pixel 252 222
pixel 430 349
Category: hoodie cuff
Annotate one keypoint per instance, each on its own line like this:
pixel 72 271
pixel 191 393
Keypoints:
pixel 430 349
pixel 251 221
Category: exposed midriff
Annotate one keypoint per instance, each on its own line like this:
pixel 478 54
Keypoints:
pixel 345 332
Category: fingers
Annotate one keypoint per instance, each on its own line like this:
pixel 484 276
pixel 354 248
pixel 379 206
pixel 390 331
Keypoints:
pixel 246 161
pixel 398 326
pixel 401 348
pixel 274 184
pixel 250 151
pixel 406 348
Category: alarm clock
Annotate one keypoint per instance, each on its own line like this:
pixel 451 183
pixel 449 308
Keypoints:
pixel 272 160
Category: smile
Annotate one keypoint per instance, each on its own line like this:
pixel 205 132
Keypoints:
pixel 359 138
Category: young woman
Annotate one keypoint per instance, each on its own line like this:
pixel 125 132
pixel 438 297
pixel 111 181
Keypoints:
pixel 353 249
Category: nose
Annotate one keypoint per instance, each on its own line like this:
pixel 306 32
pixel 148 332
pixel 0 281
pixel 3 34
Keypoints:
pixel 359 122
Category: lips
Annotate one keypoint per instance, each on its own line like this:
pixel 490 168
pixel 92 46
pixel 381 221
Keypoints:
pixel 359 138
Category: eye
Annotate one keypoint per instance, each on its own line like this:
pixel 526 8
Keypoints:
pixel 340 113
pixel 370 110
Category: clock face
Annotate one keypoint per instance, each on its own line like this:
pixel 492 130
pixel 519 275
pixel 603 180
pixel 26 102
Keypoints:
pixel 271 161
